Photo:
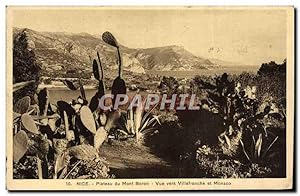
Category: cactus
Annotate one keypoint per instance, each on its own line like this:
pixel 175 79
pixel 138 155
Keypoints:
pixel 21 143
pixel 22 105
pixel 43 99
pixel 71 85
pixel 97 69
pixel 54 146
pixel 87 119
pixel 29 124
pixel 64 106
pixel 99 137
pixel 75 86
pixel 119 86
pixel 82 92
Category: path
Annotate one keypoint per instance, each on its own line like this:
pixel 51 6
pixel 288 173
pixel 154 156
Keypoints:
pixel 128 160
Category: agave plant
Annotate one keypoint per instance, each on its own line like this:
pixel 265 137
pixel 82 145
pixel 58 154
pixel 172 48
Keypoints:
pixel 258 151
pixel 139 123
pixel 119 86
pixel 230 141
pixel 243 118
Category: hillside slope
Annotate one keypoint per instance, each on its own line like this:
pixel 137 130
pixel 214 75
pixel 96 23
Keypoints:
pixel 63 52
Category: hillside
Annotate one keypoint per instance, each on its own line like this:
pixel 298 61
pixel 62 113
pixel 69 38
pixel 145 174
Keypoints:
pixel 61 53
pixel 168 58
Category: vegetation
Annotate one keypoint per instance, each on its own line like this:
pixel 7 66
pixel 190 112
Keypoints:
pixel 139 123
pixel 238 132
pixel 25 65
pixel 61 137
pixel 57 139
pixel 270 81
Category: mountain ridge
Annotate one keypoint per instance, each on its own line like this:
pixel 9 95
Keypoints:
pixel 61 51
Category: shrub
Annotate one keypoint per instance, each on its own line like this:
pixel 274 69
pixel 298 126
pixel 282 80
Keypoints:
pixel 270 81
pixel 169 85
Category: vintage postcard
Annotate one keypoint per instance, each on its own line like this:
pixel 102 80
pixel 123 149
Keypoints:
pixel 150 98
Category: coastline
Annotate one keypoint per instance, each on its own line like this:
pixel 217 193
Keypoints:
pixel 63 87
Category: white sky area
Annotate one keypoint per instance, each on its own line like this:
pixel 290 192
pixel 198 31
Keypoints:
pixel 247 36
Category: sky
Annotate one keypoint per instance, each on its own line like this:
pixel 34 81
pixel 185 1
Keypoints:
pixel 247 36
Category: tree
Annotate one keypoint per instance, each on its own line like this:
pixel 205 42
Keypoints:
pixel 25 65
pixel 272 68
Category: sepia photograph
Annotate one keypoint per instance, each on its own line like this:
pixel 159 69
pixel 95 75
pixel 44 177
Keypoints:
pixel 150 98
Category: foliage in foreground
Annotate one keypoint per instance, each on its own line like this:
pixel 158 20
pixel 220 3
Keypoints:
pixel 55 138
pixel 64 136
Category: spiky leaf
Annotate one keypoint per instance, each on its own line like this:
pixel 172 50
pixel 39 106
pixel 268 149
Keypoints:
pixel 87 119
pixel 21 142
pixel 228 142
pixel 258 146
pixel 138 117
pixel 244 150
pixel 22 105
pixel 29 123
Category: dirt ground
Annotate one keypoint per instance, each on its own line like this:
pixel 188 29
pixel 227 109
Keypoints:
pixel 127 160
